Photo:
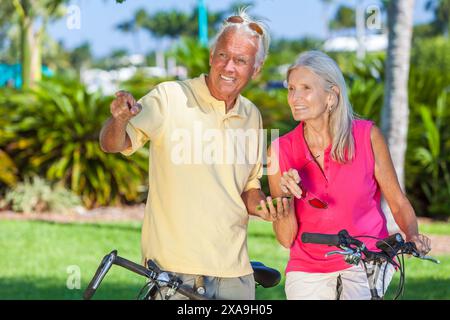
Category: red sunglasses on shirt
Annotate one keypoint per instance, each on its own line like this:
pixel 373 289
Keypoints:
pixel 313 202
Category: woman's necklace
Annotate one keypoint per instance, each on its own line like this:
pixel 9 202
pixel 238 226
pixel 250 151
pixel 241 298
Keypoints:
pixel 311 146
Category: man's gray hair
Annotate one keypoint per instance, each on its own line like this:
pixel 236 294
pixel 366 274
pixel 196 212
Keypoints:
pixel 244 27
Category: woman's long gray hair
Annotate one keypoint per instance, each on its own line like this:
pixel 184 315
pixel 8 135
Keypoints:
pixel 341 114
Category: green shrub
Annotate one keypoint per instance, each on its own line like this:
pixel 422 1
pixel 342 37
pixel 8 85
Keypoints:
pixel 192 55
pixel 430 158
pixel 53 131
pixel 427 160
pixel 8 170
pixel 366 87
pixel 37 195
pixel 140 84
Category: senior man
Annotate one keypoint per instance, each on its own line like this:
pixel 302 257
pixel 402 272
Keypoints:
pixel 199 201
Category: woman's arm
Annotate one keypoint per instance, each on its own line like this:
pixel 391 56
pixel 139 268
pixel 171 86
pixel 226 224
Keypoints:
pixel 286 226
pixel 399 204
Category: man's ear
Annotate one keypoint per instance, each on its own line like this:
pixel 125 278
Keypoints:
pixel 256 72
pixel 211 53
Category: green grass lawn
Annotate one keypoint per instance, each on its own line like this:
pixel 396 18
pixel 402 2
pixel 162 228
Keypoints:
pixel 39 257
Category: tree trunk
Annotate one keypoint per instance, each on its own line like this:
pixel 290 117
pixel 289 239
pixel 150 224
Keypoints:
pixel 395 112
pixel 36 56
pixel 26 39
pixel 31 57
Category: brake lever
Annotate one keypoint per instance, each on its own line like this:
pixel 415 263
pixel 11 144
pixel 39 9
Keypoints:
pixel 429 258
pixel 413 251
pixel 345 253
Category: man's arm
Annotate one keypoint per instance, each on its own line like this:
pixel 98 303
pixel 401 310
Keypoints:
pixel 113 136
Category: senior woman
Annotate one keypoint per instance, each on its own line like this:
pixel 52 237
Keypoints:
pixel 343 166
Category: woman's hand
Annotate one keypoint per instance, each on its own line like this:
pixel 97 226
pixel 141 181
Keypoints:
pixel 422 242
pixel 289 183
pixel 272 210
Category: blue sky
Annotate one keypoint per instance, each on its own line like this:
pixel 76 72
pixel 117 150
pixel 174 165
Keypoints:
pixel 286 18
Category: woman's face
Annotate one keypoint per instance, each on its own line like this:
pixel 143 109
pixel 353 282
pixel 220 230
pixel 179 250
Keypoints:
pixel 306 95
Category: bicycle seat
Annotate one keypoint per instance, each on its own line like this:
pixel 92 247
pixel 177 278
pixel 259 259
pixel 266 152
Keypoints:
pixel 265 276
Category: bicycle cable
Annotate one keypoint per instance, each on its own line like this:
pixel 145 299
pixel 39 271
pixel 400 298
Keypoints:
pixel 384 277
pixel 399 265
pixel 156 284
pixel 401 284
pixel 142 289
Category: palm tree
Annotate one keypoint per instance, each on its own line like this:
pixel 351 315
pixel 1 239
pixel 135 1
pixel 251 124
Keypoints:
pixel 133 27
pixel 28 13
pixel 394 115
pixel 325 6
pixel 441 10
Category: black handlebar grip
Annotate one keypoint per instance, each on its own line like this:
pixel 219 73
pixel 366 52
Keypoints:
pixel 88 293
pixel 105 263
pixel 320 238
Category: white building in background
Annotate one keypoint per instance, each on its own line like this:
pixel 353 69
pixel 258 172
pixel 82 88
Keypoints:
pixel 108 81
pixel 133 60
pixel 371 43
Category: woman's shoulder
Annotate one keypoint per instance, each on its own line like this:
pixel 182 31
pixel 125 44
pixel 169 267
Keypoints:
pixel 362 123
pixel 362 127
pixel 291 135
pixel 285 142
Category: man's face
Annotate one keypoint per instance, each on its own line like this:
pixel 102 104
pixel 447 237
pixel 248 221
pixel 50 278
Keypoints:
pixel 232 65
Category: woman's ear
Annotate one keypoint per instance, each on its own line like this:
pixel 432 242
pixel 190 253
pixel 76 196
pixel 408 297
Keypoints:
pixel 334 97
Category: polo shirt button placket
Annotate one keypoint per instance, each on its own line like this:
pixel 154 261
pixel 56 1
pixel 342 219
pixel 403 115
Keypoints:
pixel 224 122
pixel 327 175
pixel 326 167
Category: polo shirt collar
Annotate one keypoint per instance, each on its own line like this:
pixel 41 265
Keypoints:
pixel 202 91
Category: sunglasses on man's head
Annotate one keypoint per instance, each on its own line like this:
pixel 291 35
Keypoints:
pixel 252 25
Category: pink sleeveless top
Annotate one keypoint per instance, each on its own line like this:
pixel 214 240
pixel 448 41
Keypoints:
pixel 350 190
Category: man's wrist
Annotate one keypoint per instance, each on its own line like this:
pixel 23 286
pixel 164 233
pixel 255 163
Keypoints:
pixel 119 122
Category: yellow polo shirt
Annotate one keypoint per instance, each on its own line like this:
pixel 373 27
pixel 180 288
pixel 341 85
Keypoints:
pixel 201 160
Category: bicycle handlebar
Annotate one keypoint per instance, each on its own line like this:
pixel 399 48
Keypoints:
pixel 264 276
pixel 152 273
pixel 355 251
pixel 134 267
pixel 100 273
pixel 389 246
